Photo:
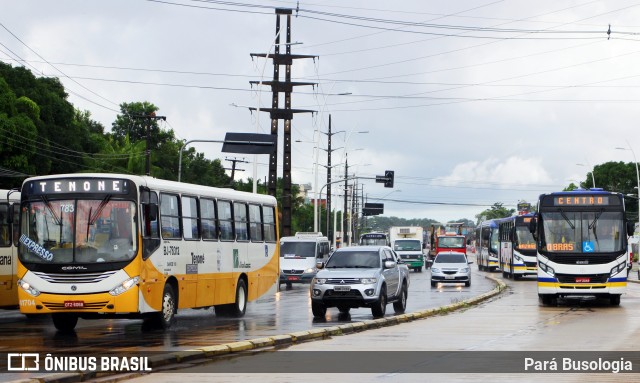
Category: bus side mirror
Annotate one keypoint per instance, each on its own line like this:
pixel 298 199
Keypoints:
pixel 630 228
pixel 533 228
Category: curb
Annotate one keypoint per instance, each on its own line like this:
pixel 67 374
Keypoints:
pixel 170 360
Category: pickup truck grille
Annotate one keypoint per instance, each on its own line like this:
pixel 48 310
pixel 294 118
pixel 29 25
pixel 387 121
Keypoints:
pixel 342 294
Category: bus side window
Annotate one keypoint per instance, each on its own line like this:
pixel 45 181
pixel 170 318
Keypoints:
pixel 255 223
pixel 225 219
pixel 240 221
pixel 170 216
pixel 268 215
pixel 208 219
pixel 190 218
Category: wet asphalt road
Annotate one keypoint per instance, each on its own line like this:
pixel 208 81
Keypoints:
pixel 290 311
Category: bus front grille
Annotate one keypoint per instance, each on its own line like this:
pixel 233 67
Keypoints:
pixel 75 278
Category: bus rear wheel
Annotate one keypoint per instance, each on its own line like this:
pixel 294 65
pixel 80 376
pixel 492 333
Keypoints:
pixel 239 307
pixel 65 322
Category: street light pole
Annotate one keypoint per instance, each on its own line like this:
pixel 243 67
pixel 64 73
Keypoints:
pixel 637 176
pixel 592 177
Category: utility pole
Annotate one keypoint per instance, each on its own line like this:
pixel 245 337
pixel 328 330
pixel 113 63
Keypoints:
pixel 285 114
pixel 233 167
pixel 148 117
pixel 345 211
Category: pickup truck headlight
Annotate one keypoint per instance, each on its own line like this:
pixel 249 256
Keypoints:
pixel 368 281
pixel 310 270
pixel 321 281
pixel 435 270
pixel 464 270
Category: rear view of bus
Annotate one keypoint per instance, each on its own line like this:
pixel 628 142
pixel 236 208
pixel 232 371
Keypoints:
pixel 581 242
pixel 9 212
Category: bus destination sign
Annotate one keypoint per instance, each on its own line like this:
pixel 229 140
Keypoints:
pixel 79 185
pixel 581 200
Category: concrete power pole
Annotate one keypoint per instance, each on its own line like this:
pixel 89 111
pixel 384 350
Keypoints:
pixel 285 114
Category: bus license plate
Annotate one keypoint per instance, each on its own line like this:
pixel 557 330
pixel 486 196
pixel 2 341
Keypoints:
pixel 292 278
pixel 583 279
pixel 342 288
pixel 73 304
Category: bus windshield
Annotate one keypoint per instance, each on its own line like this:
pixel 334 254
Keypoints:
pixel 77 231
pixel 373 241
pixel 525 238
pixel 584 232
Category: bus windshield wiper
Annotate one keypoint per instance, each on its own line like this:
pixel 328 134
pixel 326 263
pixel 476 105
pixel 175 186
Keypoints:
pixel 55 217
pixel 592 225
pixel 103 203
pixel 571 225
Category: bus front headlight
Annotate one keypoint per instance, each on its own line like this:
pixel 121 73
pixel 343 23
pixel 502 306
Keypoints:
pixel 124 286
pixel 547 269
pixel 28 288
pixel 617 269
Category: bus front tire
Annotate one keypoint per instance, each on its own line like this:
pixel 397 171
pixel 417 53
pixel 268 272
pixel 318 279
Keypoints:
pixel 166 317
pixel 65 322
pixel 614 300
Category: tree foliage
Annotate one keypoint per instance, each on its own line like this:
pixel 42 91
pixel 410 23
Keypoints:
pixel 494 212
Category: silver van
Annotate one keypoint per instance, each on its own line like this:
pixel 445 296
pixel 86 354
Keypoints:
pixel 299 254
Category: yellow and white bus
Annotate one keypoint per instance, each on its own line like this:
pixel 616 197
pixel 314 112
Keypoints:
pixel 8 248
pixel 115 245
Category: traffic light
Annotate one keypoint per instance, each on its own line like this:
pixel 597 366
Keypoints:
pixel 389 178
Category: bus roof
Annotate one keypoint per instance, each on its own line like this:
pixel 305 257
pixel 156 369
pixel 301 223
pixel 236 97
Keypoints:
pixel 165 185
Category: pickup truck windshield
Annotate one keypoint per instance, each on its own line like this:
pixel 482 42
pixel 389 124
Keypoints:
pixel 354 259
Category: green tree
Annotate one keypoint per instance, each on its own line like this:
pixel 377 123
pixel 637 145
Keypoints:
pixel 494 212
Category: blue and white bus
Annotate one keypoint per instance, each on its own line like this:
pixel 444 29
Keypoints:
pixel 488 245
pixel 581 241
pixel 517 254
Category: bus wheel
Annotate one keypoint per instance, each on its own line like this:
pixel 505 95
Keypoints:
pixel 166 317
pixel 238 308
pixel 65 322
pixel 614 300
pixel 545 299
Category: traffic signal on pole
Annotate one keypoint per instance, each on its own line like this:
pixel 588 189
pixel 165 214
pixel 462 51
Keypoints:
pixel 389 178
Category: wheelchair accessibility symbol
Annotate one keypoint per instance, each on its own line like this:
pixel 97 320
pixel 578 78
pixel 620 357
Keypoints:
pixel 587 247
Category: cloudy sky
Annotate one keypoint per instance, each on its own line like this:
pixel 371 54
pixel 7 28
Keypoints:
pixel 470 102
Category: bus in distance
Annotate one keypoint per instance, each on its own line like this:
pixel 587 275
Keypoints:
pixel 517 252
pixel 488 245
pixel 581 242
pixel 374 239
pixel 9 212
pixel 115 245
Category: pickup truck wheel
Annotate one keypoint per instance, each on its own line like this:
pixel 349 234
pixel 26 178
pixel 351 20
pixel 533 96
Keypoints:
pixel 401 304
pixel 318 309
pixel 380 307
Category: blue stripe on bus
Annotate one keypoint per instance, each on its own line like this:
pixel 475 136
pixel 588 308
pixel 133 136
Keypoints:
pixel 547 279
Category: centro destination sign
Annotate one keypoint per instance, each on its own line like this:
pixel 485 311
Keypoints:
pixel 80 185
pixel 583 200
